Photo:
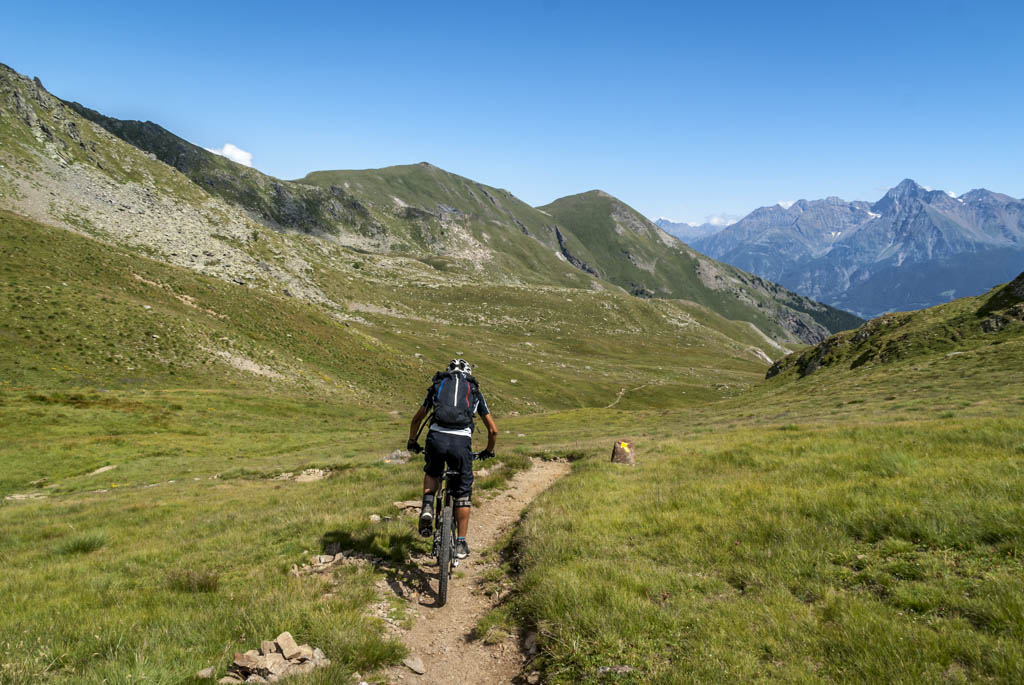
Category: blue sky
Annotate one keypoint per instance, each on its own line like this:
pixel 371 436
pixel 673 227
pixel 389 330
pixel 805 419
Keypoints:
pixel 682 110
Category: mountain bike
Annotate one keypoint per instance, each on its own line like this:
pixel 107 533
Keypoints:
pixel 444 536
pixel 445 532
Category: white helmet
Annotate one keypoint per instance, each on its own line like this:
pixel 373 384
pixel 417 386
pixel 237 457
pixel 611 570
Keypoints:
pixel 460 365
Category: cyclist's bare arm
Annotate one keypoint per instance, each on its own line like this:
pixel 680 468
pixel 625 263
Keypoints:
pixel 492 432
pixel 414 427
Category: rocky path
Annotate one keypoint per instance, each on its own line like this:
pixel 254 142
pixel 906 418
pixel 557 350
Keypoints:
pixel 441 637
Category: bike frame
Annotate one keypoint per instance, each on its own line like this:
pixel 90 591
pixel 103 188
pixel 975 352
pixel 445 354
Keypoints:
pixel 444 536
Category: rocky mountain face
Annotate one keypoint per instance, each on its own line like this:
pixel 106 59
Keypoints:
pixel 913 248
pixel 136 184
pixel 278 203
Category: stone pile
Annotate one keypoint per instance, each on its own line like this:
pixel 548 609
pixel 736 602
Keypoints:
pixel 398 457
pixel 322 563
pixel 274 660
pixel 307 476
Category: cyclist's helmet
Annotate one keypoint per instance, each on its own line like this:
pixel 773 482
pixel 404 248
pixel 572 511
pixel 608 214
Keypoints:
pixel 460 365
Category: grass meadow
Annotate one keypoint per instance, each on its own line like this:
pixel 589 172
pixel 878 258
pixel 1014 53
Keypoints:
pixel 861 526
pixel 178 557
pixel 856 525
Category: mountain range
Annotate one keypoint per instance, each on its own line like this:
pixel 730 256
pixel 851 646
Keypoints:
pixel 690 232
pixel 135 183
pixel 913 248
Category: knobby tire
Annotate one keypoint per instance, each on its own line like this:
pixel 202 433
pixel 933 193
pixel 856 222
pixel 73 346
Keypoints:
pixel 444 556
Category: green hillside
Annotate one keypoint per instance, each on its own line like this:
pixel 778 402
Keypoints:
pixel 199 392
pixel 856 525
pixel 957 328
pixel 455 220
pixel 112 318
pixel 632 252
pixel 447 221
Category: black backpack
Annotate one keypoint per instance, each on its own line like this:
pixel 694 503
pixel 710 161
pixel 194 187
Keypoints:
pixel 453 395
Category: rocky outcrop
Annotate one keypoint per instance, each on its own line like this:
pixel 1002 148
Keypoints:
pixel 284 204
pixel 569 257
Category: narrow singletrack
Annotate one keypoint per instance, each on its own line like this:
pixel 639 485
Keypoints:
pixel 442 637
pixel 623 391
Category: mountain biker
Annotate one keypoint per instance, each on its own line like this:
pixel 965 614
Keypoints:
pixel 449 443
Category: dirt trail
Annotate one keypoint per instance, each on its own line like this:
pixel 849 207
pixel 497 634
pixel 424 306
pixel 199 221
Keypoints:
pixel 441 637
pixel 623 391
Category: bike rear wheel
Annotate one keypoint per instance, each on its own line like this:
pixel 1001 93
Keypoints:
pixel 444 556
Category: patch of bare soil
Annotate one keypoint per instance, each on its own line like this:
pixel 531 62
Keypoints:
pixel 442 637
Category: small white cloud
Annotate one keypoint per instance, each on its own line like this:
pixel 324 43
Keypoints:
pixel 235 154
pixel 722 219
pixel 786 204
pixel 713 219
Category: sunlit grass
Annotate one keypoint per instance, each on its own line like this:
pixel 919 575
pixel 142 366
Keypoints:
pixel 863 526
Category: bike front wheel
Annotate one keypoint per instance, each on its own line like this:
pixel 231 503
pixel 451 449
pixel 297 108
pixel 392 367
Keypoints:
pixel 444 556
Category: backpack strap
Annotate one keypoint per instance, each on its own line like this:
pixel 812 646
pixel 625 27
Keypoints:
pixel 426 422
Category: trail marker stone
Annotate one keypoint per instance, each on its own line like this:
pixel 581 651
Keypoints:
pixel 622 452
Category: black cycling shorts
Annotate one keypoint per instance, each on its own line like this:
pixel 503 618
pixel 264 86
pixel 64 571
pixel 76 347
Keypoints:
pixel 455 452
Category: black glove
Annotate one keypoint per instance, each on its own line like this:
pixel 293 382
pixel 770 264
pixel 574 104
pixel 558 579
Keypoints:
pixel 413 446
pixel 486 454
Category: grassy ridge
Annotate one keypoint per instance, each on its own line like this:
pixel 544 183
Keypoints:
pixel 635 254
pixel 434 210
pixel 854 526
pixel 78 314
pixel 965 324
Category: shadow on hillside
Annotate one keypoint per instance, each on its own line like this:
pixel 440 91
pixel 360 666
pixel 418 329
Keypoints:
pixel 393 554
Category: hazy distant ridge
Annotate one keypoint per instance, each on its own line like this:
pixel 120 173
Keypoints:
pixel 912 248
